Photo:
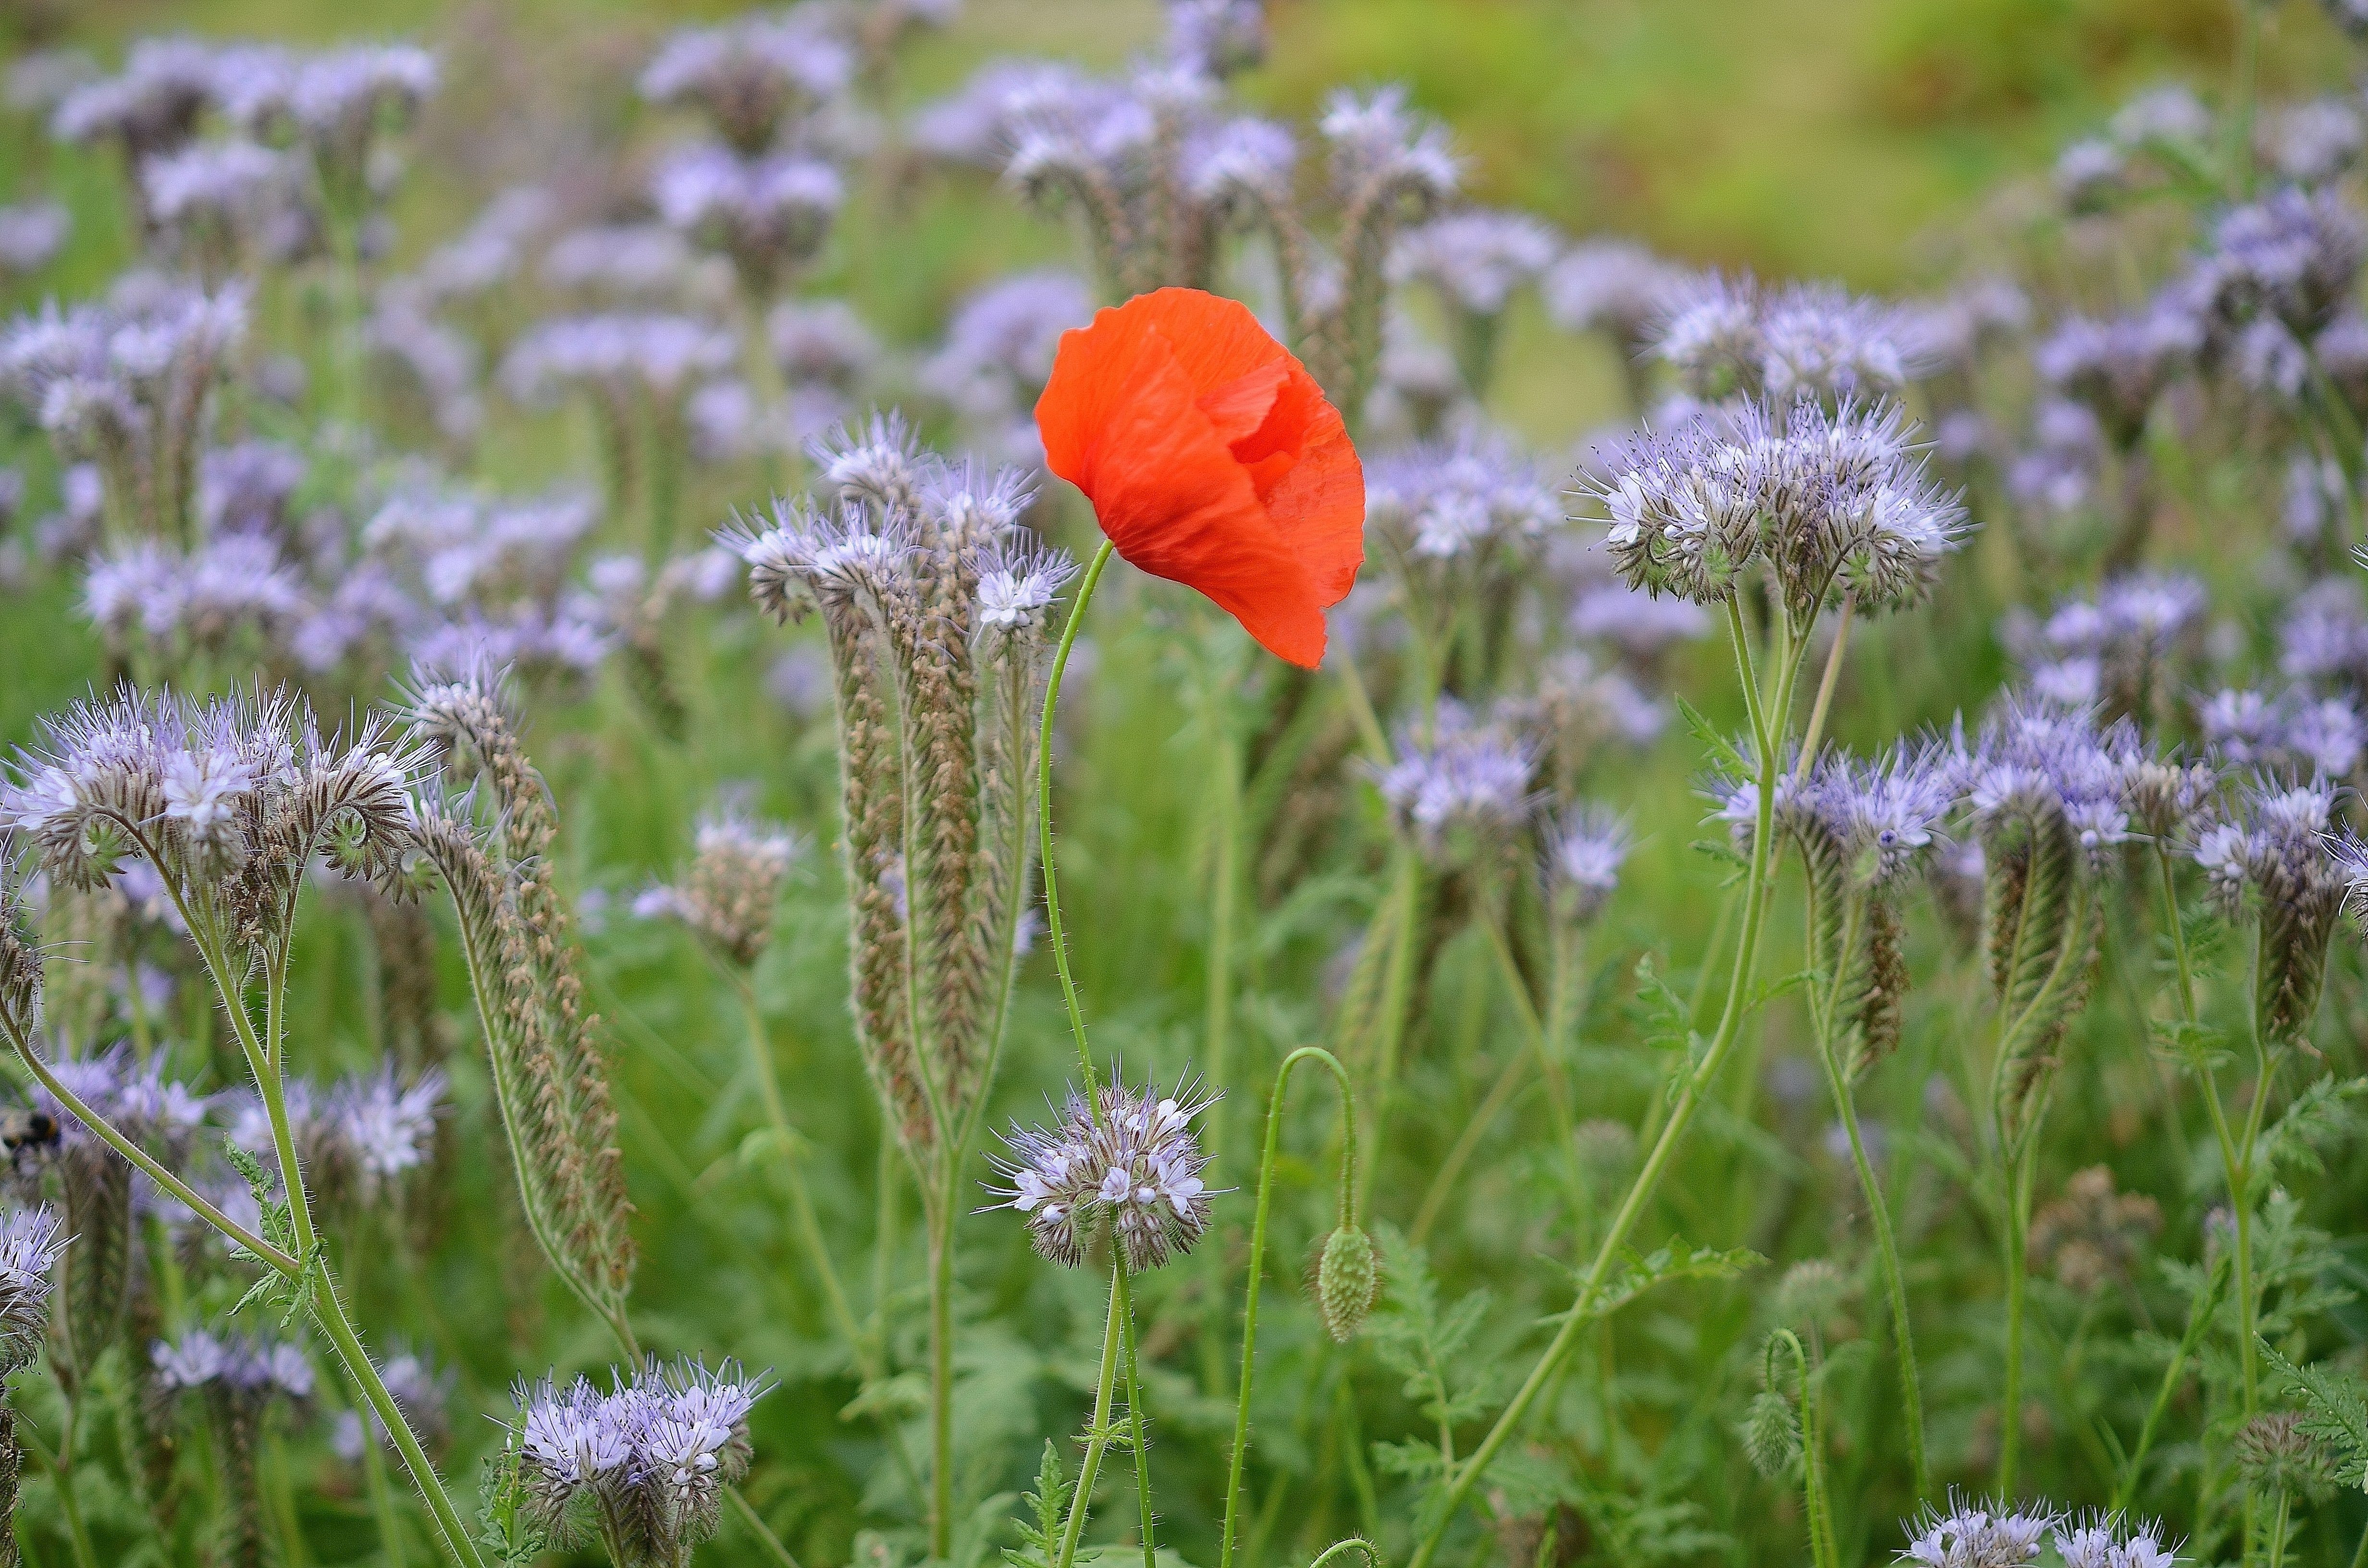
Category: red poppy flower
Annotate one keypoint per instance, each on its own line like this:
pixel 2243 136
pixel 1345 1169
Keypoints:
pixel 1212 460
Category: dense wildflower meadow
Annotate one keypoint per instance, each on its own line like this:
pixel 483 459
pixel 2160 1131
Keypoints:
pixel 645 921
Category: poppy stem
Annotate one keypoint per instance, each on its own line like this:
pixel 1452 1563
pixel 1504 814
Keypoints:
pixel 1044 813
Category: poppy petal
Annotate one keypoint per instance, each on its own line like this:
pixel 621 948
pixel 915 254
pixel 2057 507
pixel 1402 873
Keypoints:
pixel 1188 427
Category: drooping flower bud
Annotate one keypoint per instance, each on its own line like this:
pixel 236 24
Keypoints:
pixel 1346 1279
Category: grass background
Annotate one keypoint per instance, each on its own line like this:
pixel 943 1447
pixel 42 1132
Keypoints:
pixel 1876 142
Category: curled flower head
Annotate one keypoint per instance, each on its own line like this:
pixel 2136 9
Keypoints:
pixel 1609 285
pixel 2116 369
pixel 29 1248
pixel 1583 859
pixel 2108 1540
pixel 656 1451
pixel 229 801
pixel 748 75
pixel 1460 498
pixel 1832 499
pixel 1728 337
pixel 2038 762
pixel 1211 459
pixel 1970 1534
pixel 247 1370
pixel 728 893
pixel 1475 259
pixel 1460 788
pixel 2274 855
pixel 1018 585
pixel 1381 148
pixel 1136 1166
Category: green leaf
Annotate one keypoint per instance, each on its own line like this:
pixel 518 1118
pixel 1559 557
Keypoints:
pixel 2336 1413
pixel 1049 1503
pixel 1662 1265
pixel 1722 753
pixel 2321 1114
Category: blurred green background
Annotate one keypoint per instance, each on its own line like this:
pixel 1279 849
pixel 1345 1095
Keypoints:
pixel 1886 143
pixel 1811 136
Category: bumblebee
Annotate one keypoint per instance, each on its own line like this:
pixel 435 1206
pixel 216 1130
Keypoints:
pixel 26 1133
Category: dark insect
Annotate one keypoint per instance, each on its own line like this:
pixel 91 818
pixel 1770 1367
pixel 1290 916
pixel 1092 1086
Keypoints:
pixel 25 1131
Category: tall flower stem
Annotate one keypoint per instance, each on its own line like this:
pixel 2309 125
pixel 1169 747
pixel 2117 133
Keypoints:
pixel 2240 121
pixel 941 1221
pixel 1886 1246
pixel 60 1472
pixel 2201 1314
pixel 1769 727
pixel 1135 1437
pixel 2017 1252
pixel 1816 1505
pixel 1053 928
pixel 1826 684
pixel 1404 910
pixel 801 1210
pixel 382 1497
pixel 787 1148
pixel 1825 1007
pixel 1122 1321
pixel 1257 1259
pixel 1225 829
pixel 1097 1432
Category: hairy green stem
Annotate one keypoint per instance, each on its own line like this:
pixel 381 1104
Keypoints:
pixel 2018 1245
pixel 1257 1259
pixel 1887 1245
pixel 2200 1316
pixel 1044 823
pixel 1135 1437
pixel 382 1497
pixel 1767 729
pixel 1815 1503
pixel 1098 1434
pixel 1826 684
pixel 60 1472
pixel 801 1210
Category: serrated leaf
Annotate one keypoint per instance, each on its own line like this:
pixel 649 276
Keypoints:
pixel 1637 1275
pixel 2336 1411
pixel 1722 751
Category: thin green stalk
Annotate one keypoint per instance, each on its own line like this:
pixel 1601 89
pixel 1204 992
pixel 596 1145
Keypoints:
pixel 1739 1004
pixel 1217 1027
pixel 381 1495
pixel 330 1313
pixel 1815 1503
pixel 2178 931
pixel 2240 127
pixel 2278 1529
pixel 1466 1144
pixel 1534 1031
pixel 801 1210
pixel 1257 1259
pixel 1098 1434
pixel 1397 992
pixel 60 1472
pixel 2018 1245
pixel 1134 1404
pixel 754 1523
pixel 2198 1322
pixel 1826 684
pixel 1044 824
pixel 941 1379
pixel 1886 1245
pixel 142 1161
